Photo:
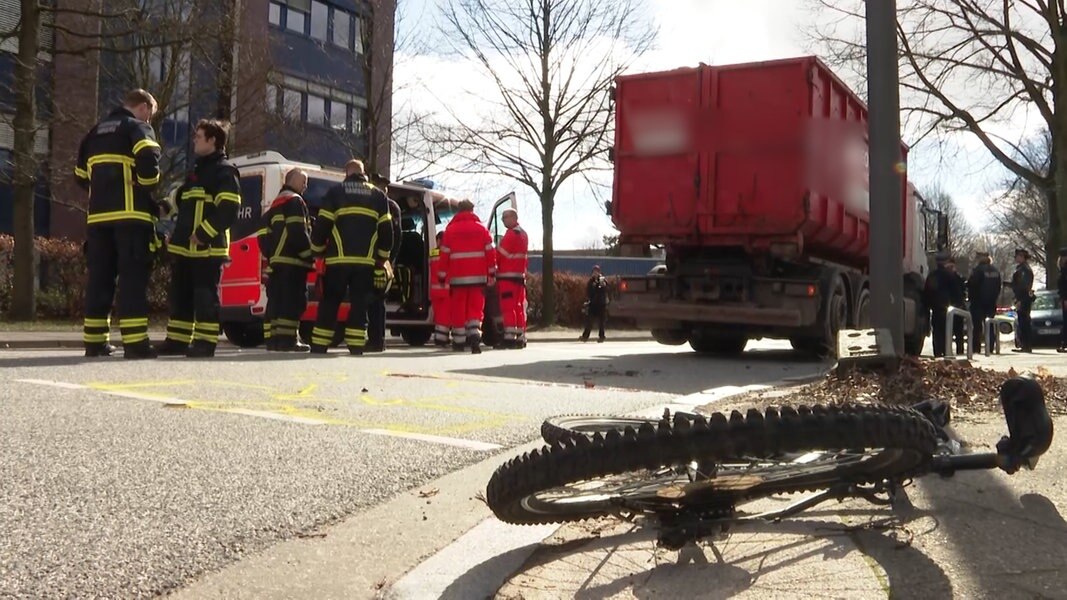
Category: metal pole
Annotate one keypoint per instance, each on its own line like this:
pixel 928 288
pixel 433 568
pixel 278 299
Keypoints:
pixel 886 246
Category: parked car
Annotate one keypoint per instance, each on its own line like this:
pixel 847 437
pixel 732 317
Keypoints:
pixel 1047 317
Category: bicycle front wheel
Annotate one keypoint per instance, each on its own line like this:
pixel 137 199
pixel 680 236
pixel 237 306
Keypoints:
pixel 710 464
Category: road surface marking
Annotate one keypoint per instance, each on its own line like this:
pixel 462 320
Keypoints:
pixel 263 414
pixel 436 439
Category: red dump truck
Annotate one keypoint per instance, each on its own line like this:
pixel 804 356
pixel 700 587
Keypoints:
pixel 753 177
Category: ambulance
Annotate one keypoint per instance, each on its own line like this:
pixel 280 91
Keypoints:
pixel 409 314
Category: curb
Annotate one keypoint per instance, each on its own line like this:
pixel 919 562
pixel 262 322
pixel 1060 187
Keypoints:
pixel 28 344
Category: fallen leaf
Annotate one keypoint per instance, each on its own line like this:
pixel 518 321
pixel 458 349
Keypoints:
pixel 428 493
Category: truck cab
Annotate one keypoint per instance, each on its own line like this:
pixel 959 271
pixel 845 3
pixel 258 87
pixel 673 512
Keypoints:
pixel 242 291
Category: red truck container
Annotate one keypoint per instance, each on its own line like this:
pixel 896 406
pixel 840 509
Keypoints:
pixel 754 178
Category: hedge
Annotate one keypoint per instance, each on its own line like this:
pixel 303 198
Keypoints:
pixel 62 271
pixel 62 279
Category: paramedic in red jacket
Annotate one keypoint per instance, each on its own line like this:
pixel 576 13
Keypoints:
pixel 467 265
pixel 442 317
pixel 511 280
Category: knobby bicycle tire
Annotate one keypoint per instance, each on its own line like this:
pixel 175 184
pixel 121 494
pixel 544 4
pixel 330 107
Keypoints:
pixel 568 427
pixel 903 438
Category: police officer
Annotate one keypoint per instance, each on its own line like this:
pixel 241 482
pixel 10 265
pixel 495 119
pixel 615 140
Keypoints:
pixel 383 276
pixel 937 294
pixel 118 164
pixel 1061 286
pixel 957 299
pixel 467 265
pixel 354 232
pixel 511 276
pixel 983 289
pixel 1022 286
pixel 596 304
pixel 286 246
pixel 208 203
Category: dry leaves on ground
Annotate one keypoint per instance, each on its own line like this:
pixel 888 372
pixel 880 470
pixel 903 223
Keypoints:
pixel 965 386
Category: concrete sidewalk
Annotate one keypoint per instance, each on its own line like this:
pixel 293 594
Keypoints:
pixel 45 340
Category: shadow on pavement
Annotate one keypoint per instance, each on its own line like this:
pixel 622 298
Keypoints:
pixel 798 555
pixel 667 372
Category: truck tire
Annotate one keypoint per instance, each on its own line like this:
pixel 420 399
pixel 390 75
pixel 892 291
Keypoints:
pixel 717 345
pixel 670 337
pixel 913 344
pixel 416 337
pixel 865 444
pixel 244 334
pixel 863 310
pixel 835 316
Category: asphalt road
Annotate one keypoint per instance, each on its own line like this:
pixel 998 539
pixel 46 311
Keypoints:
pixel 130 479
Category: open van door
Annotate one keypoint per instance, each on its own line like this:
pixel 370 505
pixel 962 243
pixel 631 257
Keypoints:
pixel 493 325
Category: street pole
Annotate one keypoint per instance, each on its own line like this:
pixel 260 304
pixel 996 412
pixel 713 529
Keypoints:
pixel 886 246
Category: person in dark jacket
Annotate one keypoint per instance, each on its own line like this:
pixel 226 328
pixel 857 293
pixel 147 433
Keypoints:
pixel 285 245
pixel 118 164
pixel 983 289
pixel 376 308
pixel 208 202
pixel 957 299
pixel 1061 286
pixel 1022 286
pixel 596 304
pixel 353 230
pixel 937 294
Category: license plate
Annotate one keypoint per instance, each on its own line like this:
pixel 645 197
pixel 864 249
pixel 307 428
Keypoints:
pixel 1048 331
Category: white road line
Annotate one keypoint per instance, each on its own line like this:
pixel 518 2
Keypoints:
pixel 58 384
pixel 263 414
pixel 436 439
pixel 504 546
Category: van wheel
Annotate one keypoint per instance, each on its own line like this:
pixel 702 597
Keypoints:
pixel 244 334
pixel 416 337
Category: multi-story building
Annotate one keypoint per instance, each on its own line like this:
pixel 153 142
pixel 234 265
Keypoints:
pixel 308 78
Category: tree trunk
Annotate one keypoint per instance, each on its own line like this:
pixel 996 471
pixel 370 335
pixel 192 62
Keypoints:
pixel 548 279
pixel 1055 238
pixel 24 300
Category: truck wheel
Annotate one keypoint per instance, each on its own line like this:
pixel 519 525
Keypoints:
pixel 834 317
pixel 244 334
pixel 863 310
pixel 670 337
pixel 338 333
pixel 416 337
pixel 717 345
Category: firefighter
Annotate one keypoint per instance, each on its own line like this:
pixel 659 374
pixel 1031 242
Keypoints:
pixel 1022 286
pixel 382 276
pixel 511 280
pixel 286 245
pixel 439 298
pixel 467 265
pixel 208 203
pixel 118 164
pixel 937 294
pixel 983 289
pixel 354 232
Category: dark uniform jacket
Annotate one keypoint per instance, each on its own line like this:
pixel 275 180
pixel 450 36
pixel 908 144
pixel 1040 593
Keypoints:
pixel 984 285
pixel 957 290
pixel 284 240
pixel 1022 282
pixel 940 288
pixel 118 164
pixel 353 226
pixel 596 291
pixel 207 203
pixel 1061 284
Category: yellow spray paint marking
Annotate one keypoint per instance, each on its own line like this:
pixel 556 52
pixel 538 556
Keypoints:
pixel 112 387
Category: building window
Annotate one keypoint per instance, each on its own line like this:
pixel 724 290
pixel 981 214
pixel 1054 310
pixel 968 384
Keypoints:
pixel 292 101
pixel 272 98
pixel 359 116
pixel 358 38
pixel 342 25
pixel 296 20
pixel 275 14
pixel 319 20
pixel 338 115
pixel 316 110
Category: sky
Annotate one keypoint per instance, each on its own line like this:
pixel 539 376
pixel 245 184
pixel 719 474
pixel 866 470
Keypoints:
pixel 691 32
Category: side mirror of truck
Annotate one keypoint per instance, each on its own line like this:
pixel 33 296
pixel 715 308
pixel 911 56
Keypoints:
pixel 942 231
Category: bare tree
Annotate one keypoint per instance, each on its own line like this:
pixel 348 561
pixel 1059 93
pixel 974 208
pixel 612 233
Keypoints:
pixel 975 66
pixel 547 120
pixel 964 241
pixel 1019 216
